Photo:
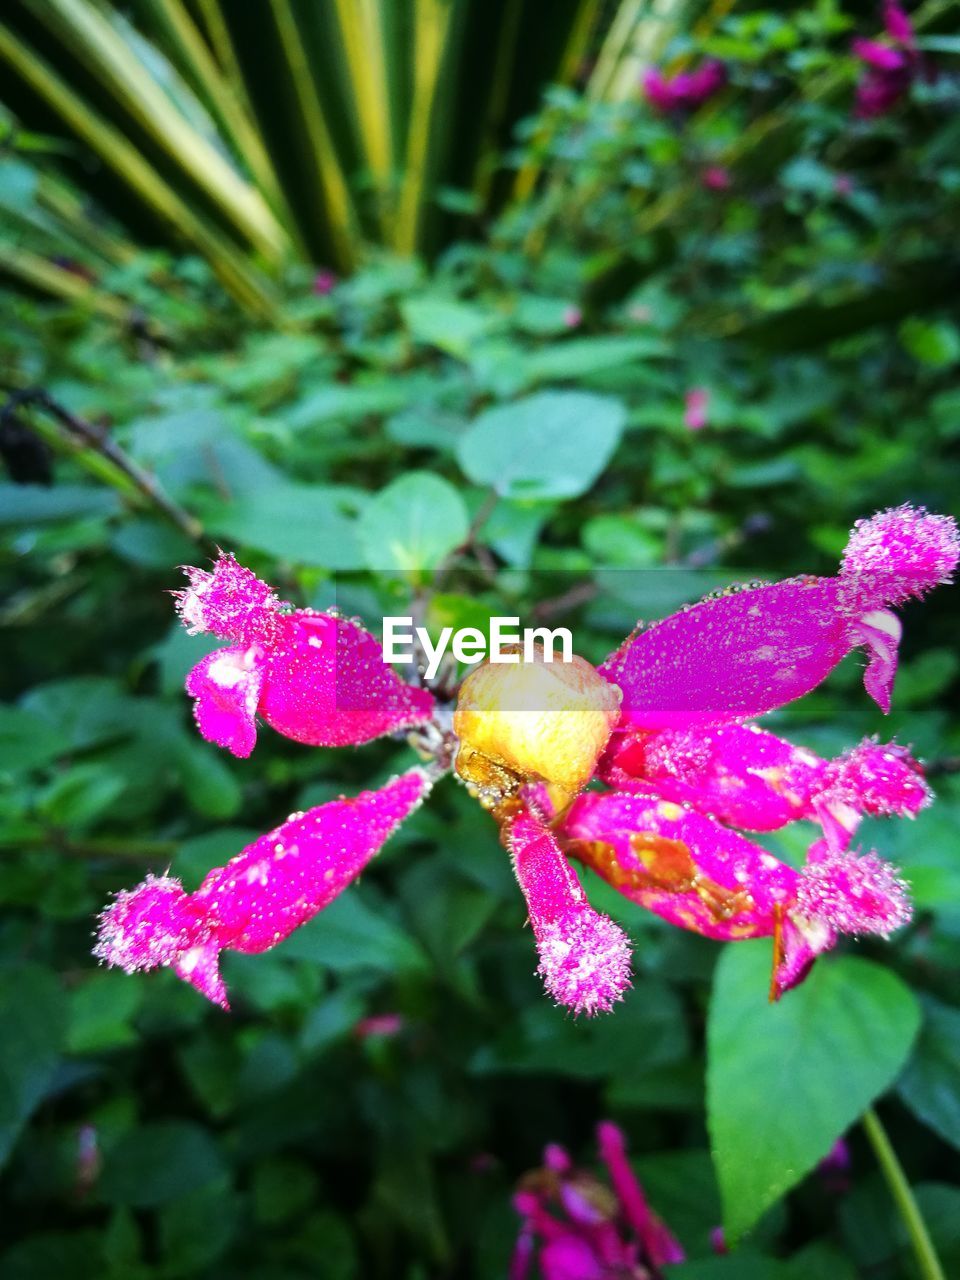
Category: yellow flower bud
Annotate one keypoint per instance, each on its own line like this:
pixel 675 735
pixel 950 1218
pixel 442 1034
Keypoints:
pixel 543 721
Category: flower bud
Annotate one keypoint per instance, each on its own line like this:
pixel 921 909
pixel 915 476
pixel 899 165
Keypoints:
pixel 539 720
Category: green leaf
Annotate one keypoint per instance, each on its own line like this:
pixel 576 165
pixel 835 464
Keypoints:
pixel 26 740
pixel 80 796
pixel 195 1229
pixel 306 524
pixel 449 325
pixel 33 1015
pixel 785 1080
pixel 35 504
pixel 620 542
pixel 935 343
pixel 551 445
pixel 349 403
pixel 159 1162
pixel 351 935
pixel 102 1010
pixel 207 781
pixel 930 1086
pixel 581 357
pixel 413 524
pixel 646 1031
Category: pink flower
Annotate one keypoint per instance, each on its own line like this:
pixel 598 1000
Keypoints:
pixel 379 1024
pixel 661 721
pixel 687 771
pixel 572 317
pixel 575 1228
pixel 843 185
pixel 315 677
pixel 890 68
pixel 834 1168
pixel 685 91
pixel 696 405
pixel 716 178
pixel 324 282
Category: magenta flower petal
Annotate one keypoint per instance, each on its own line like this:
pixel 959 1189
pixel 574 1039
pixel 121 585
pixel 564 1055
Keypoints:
pixel 879 779
pixel 262 895
pixel 878 55
pixel 738 773
pixel 729 658
pixel 681 865
pixel 659 1244
pixel 570 1258
pixel 879 632
pixel 897 23
pixel 521 1260
pixel 899 553
pixel 584 956
pixel 696 407
pixel 658 91
pixel 230 601
pixel 226 685
pixel 698 875
pixel 746 652
pixel 749 778
pixel 854 894
pixel 327 684
pixel 315 677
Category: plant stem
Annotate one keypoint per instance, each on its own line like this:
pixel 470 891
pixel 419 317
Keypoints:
pixel 896 1180
pixel 91 437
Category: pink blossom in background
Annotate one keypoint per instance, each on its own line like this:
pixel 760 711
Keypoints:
pixel 687 773
pixel 890 68
pixel 379 1024
pixel 843 185
pixel 695 408
pixel 324 282
pixel 686 90
pixel 575 1227
pixel 716 178
pixel 834 1168
pixel 572 317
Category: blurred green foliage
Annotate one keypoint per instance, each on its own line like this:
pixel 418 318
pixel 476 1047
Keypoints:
pixel 545 362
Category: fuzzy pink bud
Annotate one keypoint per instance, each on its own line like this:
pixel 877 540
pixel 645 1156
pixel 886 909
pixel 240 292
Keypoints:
pixel 854 894
pixel 231 601
pixel 898 553
pixel 584 956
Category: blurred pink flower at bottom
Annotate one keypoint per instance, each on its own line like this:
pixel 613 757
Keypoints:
pixel 695 409
pixel 575 1227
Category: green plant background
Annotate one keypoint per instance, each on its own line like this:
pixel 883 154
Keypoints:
pixel 540 349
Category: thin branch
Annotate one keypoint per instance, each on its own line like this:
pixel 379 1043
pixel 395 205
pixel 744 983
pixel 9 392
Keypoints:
pixel 154 850
pixel 97 439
